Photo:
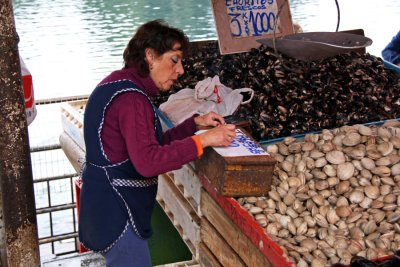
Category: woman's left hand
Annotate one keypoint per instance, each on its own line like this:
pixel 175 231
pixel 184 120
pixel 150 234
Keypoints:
pixel 209 119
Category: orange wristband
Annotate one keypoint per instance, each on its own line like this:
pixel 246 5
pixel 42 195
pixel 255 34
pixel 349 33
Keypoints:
pixel 199 146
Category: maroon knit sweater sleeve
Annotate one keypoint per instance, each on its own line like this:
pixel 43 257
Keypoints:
pixel 131 116
pixel 181 131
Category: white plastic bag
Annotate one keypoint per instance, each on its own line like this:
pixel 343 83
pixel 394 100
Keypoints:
pixel 30 107
pixel 209 95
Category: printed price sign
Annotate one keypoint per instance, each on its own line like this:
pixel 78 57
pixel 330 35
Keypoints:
pixel 240 23
pixel 241 146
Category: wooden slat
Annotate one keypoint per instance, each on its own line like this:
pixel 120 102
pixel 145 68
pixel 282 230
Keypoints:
pixel 179 211
pixel 74 153
pixel 187 178
pixel 239 242
pixel 219 247
pixel 206 258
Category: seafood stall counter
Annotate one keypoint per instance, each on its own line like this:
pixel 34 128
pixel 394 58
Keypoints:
pixel 334 193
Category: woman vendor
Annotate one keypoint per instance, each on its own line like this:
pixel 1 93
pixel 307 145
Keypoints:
pixel 126 148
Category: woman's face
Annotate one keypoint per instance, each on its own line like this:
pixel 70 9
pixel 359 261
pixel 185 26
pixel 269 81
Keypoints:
pixel 166 68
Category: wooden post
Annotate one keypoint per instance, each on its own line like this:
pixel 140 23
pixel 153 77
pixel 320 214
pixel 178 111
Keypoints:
pixel 20 246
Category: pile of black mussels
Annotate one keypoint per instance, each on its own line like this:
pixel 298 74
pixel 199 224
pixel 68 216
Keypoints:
pixel 296 97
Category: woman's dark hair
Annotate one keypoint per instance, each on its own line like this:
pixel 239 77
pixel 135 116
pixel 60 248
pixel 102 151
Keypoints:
pixel 157 35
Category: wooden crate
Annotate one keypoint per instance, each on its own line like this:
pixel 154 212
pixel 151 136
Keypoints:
pixel 180 212
pixel 187 181
pixel 230 215
pixel 237 174
pixel 72 120
pixel 225 239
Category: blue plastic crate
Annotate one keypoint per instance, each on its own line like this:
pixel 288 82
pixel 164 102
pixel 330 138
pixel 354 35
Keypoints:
pixel 392 66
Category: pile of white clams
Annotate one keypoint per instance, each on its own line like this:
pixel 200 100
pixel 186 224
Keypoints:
pixel 334 195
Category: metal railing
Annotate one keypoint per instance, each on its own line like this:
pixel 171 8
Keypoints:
pixel 54 182
pixel 52 237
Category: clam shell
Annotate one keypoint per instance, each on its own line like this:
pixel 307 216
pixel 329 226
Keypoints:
pixel 388 181
pixel 256 210
pixel 394 159
pixel 319 200
pixel 309 243
pixel 377 204
pixel 356 197
pixel 390 198
pixel 354 247
pixel 345 171
pixel 372 191
pixel 332 217
pixel 391 123
pixel 337 140
pixel 342 187
pixel 272 149
pixel 368 163
pixel 343 211
pixel 357 165
pixel 302 228
pixel 373 153
pixel 332 181
pixel 327 147
pixel 321 221
pixel 308 146
pixel 394 217
pixel 289 140
pixel 311 137
pixel 315 154
pixel 395 169
pixel 381 171
pixel 329 170
pixel 292 228
pixel 355 153
pixel 294 148
pixel 395 140
pixel 318 174
pixel 370 227
pixel 384 133
pixel 356 233
pixel 326 135
pixel 379 216
pixel 335 157
pixel 251 200
pixel 385 148
pixel 384 161
pixel 351 139
pixel 320 162
pixel 283 149
pixel 364 130
pixel 353 217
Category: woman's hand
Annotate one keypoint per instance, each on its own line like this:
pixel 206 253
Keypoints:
pixel 219 136
pixel 209 119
